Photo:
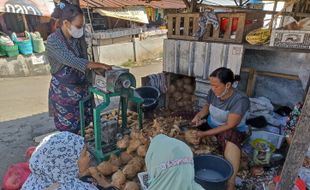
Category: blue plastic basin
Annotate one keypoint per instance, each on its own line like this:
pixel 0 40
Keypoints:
pixel 212 172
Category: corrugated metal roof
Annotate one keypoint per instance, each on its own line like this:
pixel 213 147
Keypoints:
pixel 220 2
pixel 162 4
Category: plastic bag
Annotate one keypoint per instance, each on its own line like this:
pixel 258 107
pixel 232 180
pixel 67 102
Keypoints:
pixel 304 174
pixel 15 176
pixel 258 36
pixel 29 151
pixel 299 183
pixel 291 24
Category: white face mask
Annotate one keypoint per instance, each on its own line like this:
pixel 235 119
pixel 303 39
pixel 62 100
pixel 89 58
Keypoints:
pixel 223 94
pixel 76 32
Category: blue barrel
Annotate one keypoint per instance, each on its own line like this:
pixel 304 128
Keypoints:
pixel 212 172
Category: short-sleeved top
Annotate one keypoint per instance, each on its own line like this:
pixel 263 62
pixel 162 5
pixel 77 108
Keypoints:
pixel 237 103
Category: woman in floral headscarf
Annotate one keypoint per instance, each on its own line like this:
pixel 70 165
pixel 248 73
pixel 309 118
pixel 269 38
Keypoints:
pixel 57 164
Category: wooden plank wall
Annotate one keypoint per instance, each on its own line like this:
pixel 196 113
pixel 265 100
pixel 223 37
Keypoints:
pixel 184 26
pixel 199 59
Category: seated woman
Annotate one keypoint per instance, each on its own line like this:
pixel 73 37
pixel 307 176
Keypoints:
pixel 226 107
pixel 170 165
pixel 58 162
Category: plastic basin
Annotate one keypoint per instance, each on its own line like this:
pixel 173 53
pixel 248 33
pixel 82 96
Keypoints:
pixel 212 172
pixel 150 95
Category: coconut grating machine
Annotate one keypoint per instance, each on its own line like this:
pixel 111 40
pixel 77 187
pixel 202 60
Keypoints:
pixel 106 85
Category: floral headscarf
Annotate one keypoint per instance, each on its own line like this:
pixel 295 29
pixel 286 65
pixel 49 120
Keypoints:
pixel 55 160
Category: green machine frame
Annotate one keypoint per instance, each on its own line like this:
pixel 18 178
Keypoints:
pixel 126 95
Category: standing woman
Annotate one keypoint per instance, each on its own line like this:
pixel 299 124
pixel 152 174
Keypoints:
pixel 68 67
pixel 225 111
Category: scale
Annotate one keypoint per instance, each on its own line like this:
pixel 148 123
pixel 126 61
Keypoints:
pixel 117 82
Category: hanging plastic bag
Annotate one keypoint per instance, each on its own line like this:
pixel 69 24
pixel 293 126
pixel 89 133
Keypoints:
pixel 15 176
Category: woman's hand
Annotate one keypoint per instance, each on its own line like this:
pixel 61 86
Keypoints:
pixel 106 67
pixel 201 134
pixel 94 65
pixel 197 121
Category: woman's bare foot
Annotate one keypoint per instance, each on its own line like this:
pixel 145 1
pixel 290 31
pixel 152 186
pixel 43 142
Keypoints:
pixel 231 186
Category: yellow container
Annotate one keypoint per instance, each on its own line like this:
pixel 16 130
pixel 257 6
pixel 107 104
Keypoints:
pixel 259 36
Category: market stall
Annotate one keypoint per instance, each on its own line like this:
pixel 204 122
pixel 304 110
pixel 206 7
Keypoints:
pixel 24 26
pixel 197 44
pixel 268 68
pixel 126 25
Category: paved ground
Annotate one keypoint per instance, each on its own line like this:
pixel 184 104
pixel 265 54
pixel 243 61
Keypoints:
pixel 23 113
pixel 21 97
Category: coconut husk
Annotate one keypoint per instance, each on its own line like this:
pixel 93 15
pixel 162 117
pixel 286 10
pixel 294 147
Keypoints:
pixel 179 83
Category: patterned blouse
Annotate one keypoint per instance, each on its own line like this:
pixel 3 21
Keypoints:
pixel 59 54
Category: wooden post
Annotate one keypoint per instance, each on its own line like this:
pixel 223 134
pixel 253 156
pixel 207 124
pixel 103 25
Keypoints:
pixel 188 6
pixel 251 82
pixel 134 48
pixel 298 149
pixel 306 89
pixel 273 15
pixel 76 2
pixel 168 77
pixel 109 22
pixel 25 22
pixel 193 6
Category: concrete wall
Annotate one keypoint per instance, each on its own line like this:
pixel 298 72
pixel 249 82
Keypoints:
pixel 200 59
pixel 22 66
pixel 117 54
pixel 149 48
pixel 279 90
